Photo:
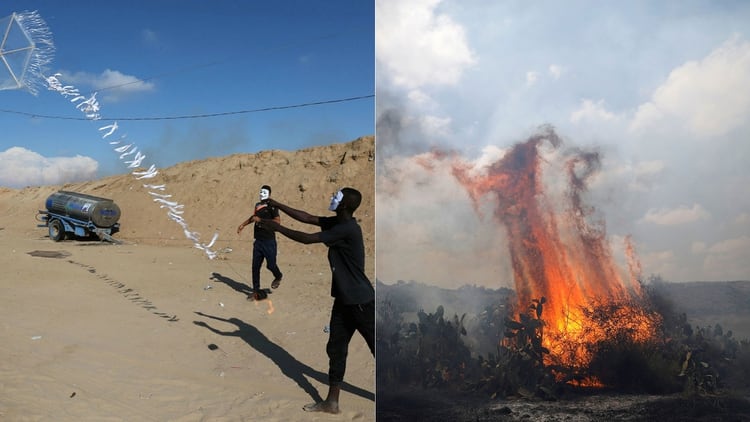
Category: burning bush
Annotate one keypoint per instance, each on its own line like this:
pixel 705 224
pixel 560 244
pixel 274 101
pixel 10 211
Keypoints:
pixel 626 357
pixel 610 353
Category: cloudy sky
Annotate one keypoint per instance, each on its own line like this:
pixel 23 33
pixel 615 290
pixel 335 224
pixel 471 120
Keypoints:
pixel 170 58
pixel 658 88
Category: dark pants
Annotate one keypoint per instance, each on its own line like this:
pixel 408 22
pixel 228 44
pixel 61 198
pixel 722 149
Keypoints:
pixel 264 249
pixel 345 319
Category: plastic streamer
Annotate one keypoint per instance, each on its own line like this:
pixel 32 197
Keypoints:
pixel 90 108
pixel 25 49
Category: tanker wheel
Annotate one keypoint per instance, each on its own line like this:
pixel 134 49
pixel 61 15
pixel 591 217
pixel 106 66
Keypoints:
pixel 56 230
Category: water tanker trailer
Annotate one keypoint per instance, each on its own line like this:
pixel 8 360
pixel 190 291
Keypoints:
pixel 71 214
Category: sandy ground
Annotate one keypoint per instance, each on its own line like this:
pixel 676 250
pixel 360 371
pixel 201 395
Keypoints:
pixel 153 330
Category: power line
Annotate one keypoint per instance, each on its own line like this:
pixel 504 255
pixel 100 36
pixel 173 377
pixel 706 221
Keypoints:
pixel 194 116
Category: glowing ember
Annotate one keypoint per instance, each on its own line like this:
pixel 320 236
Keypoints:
pixel 557 253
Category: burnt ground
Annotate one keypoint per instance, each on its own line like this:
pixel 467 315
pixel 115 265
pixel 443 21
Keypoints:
pixel 441 406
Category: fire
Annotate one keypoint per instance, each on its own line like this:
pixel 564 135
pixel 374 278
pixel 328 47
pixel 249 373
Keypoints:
pixel 270 309
pixel 557 252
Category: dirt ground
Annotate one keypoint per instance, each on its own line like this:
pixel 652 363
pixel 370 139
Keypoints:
pixel 435 406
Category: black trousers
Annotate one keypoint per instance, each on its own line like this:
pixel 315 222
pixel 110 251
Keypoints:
pixel 345 320
pixel 264 249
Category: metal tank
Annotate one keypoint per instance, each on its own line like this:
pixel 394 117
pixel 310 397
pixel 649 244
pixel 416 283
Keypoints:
pixel 102 212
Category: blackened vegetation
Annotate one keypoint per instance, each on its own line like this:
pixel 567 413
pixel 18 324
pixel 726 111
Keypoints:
pixel 709 360
pixel 519 368
pixel 428 353
pixel 705 366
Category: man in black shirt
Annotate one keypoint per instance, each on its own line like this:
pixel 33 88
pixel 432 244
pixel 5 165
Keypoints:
pixel 264 245
pixel 354 297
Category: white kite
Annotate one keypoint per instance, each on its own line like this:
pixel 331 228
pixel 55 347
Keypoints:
pixel 25 49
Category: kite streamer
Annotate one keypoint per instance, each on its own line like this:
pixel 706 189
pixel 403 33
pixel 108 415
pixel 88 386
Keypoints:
pixel 25 49
pixel 90 108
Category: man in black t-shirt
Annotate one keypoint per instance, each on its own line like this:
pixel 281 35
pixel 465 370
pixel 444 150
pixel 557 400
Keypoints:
pixel 354 296
pixel 264 245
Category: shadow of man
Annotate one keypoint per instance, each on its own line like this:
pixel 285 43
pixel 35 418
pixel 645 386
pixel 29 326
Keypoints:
pixel 289 365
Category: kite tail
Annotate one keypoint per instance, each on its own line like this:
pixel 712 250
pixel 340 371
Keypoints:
pixel 90 107
pixel 43 49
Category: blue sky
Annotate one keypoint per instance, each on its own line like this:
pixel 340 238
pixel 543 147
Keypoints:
pixel 184 58
pixel 658 88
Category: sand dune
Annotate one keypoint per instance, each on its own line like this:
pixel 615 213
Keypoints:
pixel 152 330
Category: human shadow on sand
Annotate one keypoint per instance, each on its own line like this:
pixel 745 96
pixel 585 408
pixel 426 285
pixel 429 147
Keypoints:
pixel 236 285
pixel 289 365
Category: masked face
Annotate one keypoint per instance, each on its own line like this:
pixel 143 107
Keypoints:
pixel 336 200
pixel 264 194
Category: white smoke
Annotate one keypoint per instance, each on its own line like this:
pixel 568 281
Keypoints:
pixel 434 233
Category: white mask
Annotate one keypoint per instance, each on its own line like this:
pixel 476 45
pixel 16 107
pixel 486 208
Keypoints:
pixel 336 200
pixel 264 194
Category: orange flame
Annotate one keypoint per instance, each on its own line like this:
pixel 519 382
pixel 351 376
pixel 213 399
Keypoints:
pixel 270 309
pixel 559 255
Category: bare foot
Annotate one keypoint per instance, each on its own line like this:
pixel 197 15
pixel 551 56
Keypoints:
pixel 324 406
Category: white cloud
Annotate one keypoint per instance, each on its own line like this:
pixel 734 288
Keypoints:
pixel 149 37
pixel 659 262
pixel 648 168
pixel 110 78
pixel 434 126
pixel 731 245
pixel 681 215
pixel 421 99
pixel 20 167
pixel 742 219
pixel 591 111
pixel 115 84
pixel 555 71
pixel 646 174
pixel 531 77
pixel 708 96
pixel 490 155
pixel 616 173
pixel 728 259
pixel 416 46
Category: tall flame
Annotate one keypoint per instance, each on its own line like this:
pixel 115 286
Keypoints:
pixel 556 252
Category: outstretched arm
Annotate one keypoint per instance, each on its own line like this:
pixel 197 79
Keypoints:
pixel 242 225
pixel 299 215
pixel 223 333
pixel 214 330
pixel 295 235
